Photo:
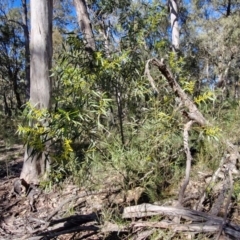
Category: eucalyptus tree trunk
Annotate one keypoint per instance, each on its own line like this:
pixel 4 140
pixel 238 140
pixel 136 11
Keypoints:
pixel 85 24
pixel 27 49
pixel 35 162
pixel 173 6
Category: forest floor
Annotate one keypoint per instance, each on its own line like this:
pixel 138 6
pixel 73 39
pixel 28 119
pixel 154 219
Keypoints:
pixel 70 212
pixel 62 212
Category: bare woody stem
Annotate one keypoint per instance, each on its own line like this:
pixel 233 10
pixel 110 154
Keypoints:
pixel 186 129
pixel 193 112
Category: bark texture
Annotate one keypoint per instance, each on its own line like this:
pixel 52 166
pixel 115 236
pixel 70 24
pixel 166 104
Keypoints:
pixel 85 23
pixel 41 52
pixel 173 6
pixel 35 163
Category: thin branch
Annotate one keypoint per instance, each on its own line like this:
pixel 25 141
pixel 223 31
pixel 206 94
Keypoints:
pixel 150 79
pixel 187 127
pixel 193 112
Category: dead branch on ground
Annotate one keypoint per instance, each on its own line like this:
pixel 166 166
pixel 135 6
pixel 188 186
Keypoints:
pixel 196 221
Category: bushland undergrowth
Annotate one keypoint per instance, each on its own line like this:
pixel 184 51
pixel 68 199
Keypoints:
pixel 106 117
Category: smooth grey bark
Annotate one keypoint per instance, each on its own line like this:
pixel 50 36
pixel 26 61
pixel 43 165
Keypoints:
pixel 27 47
pixel 35 162
pixel 41 52
pixel 173 6
pixel 85 23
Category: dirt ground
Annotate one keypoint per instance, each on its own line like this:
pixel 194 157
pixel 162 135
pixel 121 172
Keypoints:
pixel 69 213
pixel 63 212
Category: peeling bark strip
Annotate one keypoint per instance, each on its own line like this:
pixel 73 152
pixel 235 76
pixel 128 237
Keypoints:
pixel 193 112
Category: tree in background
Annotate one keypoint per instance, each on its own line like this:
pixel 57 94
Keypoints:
pixel 85 24
pixel 27 46
pixel 11 47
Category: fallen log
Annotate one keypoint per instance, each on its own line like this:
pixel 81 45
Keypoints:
pixel 200 221
pixel 147 210
pixel 200 228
